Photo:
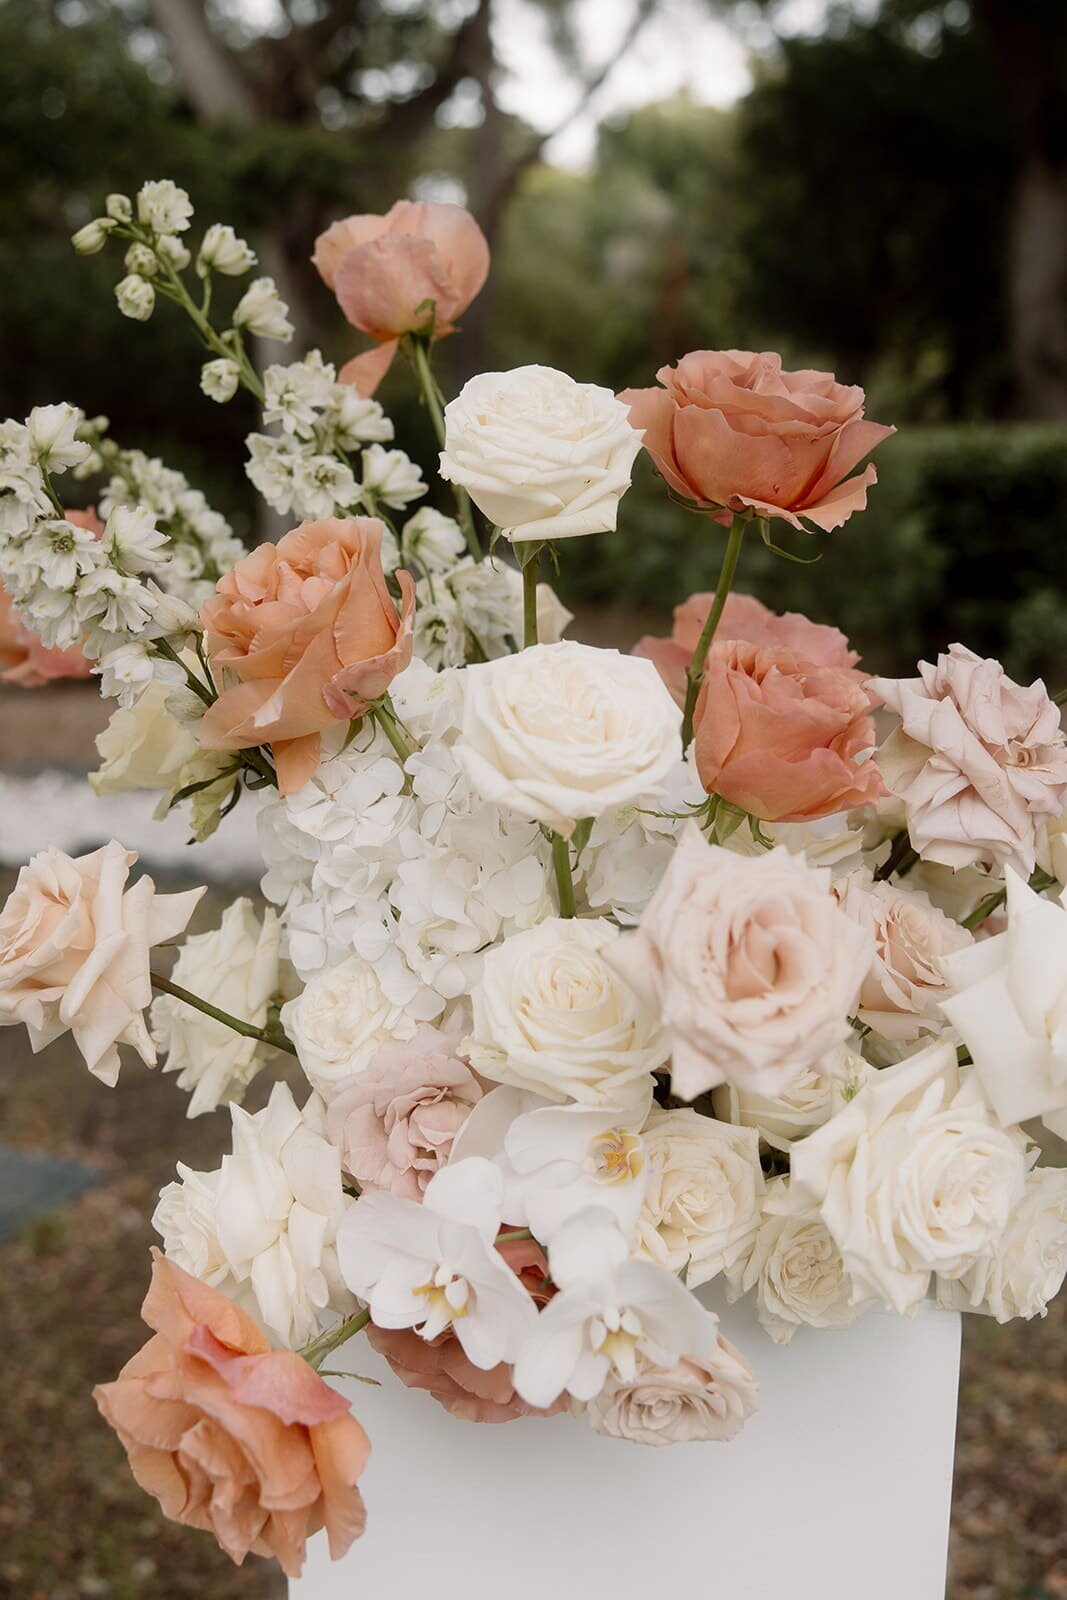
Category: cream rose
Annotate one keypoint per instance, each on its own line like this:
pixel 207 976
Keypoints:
pixel 143 747
pixel 340 1021
pixel 564 731
pixel 553 1016
pixel 809 1101
pixel 1010 1008
pixel 912 1178
pixel 543 456
pixel 1030 1262
pixel 688 1403
pixel 236 968
pixel 705 1190
pixel 751 964
pixel 905 983
pixel 74 944
pixel 796 1270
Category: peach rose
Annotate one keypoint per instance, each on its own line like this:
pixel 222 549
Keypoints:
pixel 731 428
pixel 74 944
pixel 784 738
pixel 395 1121
pixel 743 618
pixel 231 1436
pixel 978 761
pixel 687 1403
pixel 311 633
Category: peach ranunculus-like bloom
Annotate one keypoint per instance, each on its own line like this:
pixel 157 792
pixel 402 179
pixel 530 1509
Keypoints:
pixel 750 964
pixel 784 738
pixel 309 631
pixel 747 619
pixel 74 950
pixel 684 1404
pixel 231 1436
pixel 731 428
pixel 395 1121
pixel 978 760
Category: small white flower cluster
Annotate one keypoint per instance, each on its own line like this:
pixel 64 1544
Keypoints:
pixel 304 468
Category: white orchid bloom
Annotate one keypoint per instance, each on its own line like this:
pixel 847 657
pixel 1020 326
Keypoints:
pixel 609 1313
pixel 432 1265
pixel 559 1160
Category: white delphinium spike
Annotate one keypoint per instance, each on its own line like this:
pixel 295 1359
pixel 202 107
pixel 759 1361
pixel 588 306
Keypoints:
pixel 391 476
pixel 219 379
pixel 53 436
pixel 262 311
pixel 136 297
pixel 222 251
pixel 163 207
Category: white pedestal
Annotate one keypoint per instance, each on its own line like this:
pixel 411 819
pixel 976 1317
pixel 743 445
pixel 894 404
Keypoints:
pixel 838 1489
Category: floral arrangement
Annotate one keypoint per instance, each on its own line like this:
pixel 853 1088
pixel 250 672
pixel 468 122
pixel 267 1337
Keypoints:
pixel 608 977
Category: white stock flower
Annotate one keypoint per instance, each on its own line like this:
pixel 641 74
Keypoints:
pixel 811 1099
pixel 262 311
pixel 131 540
pixel 234 967
pixel 1030 1262
pixel 338 1022
pixel 913 1177
pixel 1010 1009
pixel 222 251
pixel 219 379
pixel 432 541
pixel 322 486
pixel 294 395
pixel 542 456
pixel 611 1313
pixel 355 419
pixel 552 1015
pixel 162 206
pixel 391 477
pixel 564 731
pixel 431 1264
pixel 142 747
pixel 53 435
pixel 136 297
pixel 125 672
pixel 271 468
pixel 271 1212
pixel 796 1270
pixel 705 1189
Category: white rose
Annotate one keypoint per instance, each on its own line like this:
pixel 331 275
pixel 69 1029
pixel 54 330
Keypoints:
pixel 796 1270
pixel 542 456
pixel 913 1177
pixel 810 1100
pixel 564 731
pixel 1030 1263
pixel 1010 1008
pixel 552 1016
pixel 900 996
pixel 234 967
pixel 705 1190
pixel 339 1022
pixel 142 747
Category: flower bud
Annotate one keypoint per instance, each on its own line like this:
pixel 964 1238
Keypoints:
pixel 136 297
pixel 119 208
pixel 93 237
pixel 222 251
pixel 142 261
pixel 263 312
pixel 171 247
pixel 219 379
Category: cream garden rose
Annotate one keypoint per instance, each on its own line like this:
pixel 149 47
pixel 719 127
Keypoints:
pixel 75 937
pixel 691 1402
pixel 750 963
pixel 1029 1265
pixel 339 1021
pixel 912 1178
pixel 552 1015
pixel 809 1101
pixel 705 1190
pixel 143 747
pixel 236 968
pixel 544 457
pixel 796 1270
pixel 564 731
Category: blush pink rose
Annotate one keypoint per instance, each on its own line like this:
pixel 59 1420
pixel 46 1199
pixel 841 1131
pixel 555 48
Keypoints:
pixel 743 618
pixel 730 428
pixel 688 1403
pixel 978 762
pixel 395 1121
pixel 302 634
pixel 231 1436
pixel 782 737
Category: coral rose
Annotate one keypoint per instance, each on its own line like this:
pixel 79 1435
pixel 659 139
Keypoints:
pixel 731 428
pixel 310 632
pixel 231 1436
pixel 745 618
pixel 782 737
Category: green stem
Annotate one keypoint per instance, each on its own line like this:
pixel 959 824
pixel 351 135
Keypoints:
pixel 529 600
pixel 316 1352
pixel 1039 882
pixel 561 863
pixel 695 670
pixel 384 714
pixel 175 290
pixel 431 393
pixel 247 1030
pixel 900 860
